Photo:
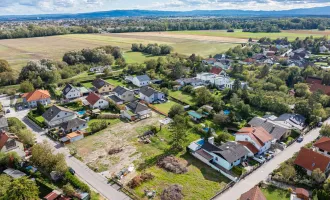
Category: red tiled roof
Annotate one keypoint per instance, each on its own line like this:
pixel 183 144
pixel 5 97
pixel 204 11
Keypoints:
pixel 323 143
pixel 216 70
pixel 92 98
pixel 316 84
pixel 250 60
pixel 302 191
pixel 250 146
pixel 36 95
pixel 310 160
pixel 254 194
pixel 258 134
pixel 51 196
pixel 3 139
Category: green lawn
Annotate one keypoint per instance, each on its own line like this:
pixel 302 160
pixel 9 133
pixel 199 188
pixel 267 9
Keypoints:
pixel 186 98
pixel 40 119
pixel 240 34
pixel 165 107
pixel 109 80
pixel 200 182
pixel 274 193
pixel 137 57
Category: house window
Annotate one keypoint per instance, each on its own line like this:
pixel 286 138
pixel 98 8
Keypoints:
pixel 84 124
pixel 58 115
pixel 66 113
pixel 246 139
pixel 216 158
pixel 321 150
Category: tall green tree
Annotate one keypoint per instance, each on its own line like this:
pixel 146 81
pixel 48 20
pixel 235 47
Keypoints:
pixel 22 189
pixel 178 132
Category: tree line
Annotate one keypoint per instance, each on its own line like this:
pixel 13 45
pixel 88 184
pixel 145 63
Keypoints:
pixel 153 49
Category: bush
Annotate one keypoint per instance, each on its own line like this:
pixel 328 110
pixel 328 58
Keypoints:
pixel 15 124
pixel 74 181
pixel 238 170
pixel 172 164
pixel 108 116
pixel 97 126
pixel 138 180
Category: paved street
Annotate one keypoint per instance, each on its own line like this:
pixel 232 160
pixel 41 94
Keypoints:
pixel 263 172
pixel 96 181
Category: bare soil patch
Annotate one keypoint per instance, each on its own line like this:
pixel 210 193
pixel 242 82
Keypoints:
pixel 187 36
pixel 173 164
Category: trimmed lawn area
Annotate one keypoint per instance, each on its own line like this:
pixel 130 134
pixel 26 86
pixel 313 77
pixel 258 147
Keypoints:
pixel 186 98
pixel 137 57
pixel 274 193
pixel 165 107
pixel 109 80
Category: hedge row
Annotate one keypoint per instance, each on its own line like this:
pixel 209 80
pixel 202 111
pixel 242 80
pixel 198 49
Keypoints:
pixel 30 116
pixel 75 182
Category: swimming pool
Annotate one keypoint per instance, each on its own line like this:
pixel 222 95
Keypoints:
pixel 81 112
pixel 200 142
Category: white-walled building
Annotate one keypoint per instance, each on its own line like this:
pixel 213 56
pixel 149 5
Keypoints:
pixel 57 115
pixel 71 92
pixel 150 95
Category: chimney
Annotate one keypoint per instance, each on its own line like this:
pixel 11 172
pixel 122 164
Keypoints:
pixel 211 140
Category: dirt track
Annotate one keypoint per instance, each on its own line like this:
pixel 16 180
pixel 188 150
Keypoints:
pixel 188 37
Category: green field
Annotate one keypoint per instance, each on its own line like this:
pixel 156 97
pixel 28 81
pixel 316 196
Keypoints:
pixel 137 57
pixel 246 35
pixel 186 98
pixel 165 107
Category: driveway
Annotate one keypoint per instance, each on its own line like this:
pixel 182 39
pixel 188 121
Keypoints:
pixel 94 180
pixel 263 172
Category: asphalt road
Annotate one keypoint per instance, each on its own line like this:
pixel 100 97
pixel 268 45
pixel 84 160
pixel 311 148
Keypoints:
pixel 96 181
pixel 263 172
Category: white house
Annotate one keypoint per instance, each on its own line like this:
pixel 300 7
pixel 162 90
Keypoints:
pixel 222 158
pixel 257 136
pixel 150 95
pixel 71 92
pixel 35 97
pixel 140 81
pixel 56 115
pixel 75 124
pixel 136 110
pixel 322 146
pixel 206 77
pixel 124 94
pixel 96 101
pixel 190 81
pixel 10 143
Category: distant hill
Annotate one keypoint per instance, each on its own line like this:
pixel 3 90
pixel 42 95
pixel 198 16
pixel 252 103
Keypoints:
pixel 318 11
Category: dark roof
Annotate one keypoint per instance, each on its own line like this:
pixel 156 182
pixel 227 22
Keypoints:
pixel 67 89
pixel 274 129
pixel 148 91
pixel 99 83
pixel 295 118
pixel 230 151
pixel 120 90
pixel 72 124
pixel 143 78
pixel 53 111
pixel 3 122
pixel 204 154
pixel 115 98
pixel 137 107
pixel 253 194
pixel 309 159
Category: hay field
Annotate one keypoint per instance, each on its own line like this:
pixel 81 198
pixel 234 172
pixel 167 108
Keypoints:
pixel 19 51
pixel 291 34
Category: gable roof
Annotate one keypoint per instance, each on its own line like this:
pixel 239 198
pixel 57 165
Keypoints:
pixel 92 98
pixel 148 91
pixel 54 111
pixel 76 122
pixel 276 130
pixel 137 107
pixel 67 89
pixel 253 194
pixel 216 70
pixel 3 139
pixel 143 78
pixel 36 95
pixel 115 98
pixel 323 143
pixel 3 122
pixel 257 134
pixel 309 159
pixel 120 90
pixel 230 151
pixel 250 146
pixel 99 83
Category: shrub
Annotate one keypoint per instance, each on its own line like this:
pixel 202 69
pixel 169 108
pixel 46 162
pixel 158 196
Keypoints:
pixel 15 124
pixel 138 180
pixel 108 116
pixel 74 181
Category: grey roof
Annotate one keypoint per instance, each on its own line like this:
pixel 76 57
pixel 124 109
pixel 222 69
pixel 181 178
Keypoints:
pixel 137 107
pixel 148 91
pixel 3 122
pixel 115 98
pixel 72 124
pixel 53 111
pixel 276 130
pixel 189 80
pixel 98 83
pixel 120 90
pixel 67 89
pixel 143 78
pixel 295 118
pixel 230 151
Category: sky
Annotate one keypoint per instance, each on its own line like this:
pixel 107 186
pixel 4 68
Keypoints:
pixel 23 7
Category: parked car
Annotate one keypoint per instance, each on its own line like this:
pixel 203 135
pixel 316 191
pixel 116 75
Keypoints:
pixel 8 111
pixel 283 144
pixel 270 152
pixel 300 139
pixel 319 124
pixel 72 171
